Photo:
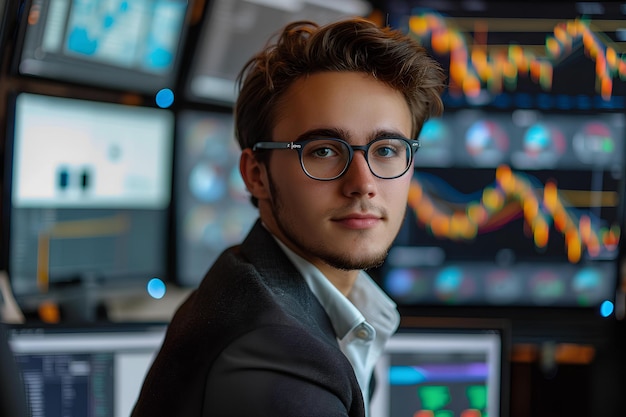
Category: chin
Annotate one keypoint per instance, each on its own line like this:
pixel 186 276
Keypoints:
pixel 349 262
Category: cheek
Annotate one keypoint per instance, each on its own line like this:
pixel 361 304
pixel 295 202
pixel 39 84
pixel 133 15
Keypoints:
pixel 398 193
pixel 308 196
pixel 299 191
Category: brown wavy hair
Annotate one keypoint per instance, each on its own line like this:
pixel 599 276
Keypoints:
pixel 355 44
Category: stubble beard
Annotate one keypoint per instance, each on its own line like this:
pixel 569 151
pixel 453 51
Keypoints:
pixel 343 260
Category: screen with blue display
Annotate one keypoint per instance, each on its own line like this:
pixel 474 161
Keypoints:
pixel 117 44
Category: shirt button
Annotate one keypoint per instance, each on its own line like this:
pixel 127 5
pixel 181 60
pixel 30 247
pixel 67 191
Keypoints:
pixel 363 333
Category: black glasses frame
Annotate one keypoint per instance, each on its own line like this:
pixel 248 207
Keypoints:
pixel 414 145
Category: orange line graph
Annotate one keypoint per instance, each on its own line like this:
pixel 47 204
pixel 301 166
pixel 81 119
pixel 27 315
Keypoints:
pixel 513 196
pixel 75 229
pixel 472 68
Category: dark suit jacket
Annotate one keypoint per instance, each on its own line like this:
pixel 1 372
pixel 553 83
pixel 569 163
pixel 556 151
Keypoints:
pixel 252 340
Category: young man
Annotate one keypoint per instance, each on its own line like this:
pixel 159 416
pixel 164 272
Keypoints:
pixel 288 323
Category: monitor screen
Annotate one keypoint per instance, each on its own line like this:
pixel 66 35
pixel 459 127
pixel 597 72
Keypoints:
pixel 90 193
pixel 73 371
pixel 521 208
pixel 212 205
pixel 518 193
pixel 452 371
pixel 234 30
pixel 508 55
pixel 119 44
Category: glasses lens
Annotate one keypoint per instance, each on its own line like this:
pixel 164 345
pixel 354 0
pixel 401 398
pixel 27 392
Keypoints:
pixel 389 158
pixel 325 158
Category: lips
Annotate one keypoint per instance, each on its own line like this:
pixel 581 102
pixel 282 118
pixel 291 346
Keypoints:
pixel 359 220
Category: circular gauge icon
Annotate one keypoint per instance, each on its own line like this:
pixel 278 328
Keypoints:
pixel 453 284
pixel 588 286
pixel 504 286
pixel 594 143
pixel 543 144
pixel 486 143
pixel 547 287
pixel 207 182
pixel 407 285
pixel 435 144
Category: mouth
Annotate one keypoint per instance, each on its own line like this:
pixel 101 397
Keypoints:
pixel 359 221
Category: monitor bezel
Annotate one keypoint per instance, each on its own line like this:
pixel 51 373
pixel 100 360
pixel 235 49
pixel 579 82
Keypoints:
pixel 224 89
pixel 84 73
pixel 78 301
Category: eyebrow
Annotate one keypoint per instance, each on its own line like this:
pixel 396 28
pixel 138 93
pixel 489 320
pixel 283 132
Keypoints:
pixel 323 133
pixel 345 135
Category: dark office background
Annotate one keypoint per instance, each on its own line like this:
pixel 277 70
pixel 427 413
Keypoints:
pixel 141 94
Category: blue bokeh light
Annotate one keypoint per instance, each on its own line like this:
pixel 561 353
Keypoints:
pixel 164 98
pixel 156 288
pixel 606 308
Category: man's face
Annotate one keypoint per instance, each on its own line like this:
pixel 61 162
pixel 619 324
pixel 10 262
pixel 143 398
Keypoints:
pixel 350 222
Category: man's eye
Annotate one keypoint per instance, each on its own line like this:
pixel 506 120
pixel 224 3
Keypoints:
pixel 386 151
pixel 323 149
pixel 323 152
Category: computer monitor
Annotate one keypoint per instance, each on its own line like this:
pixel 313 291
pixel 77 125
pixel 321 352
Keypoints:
pixel 123 45
pixel 518 193
pixel 510 54
pixel 90 187
pixel 513 208
pixel 84 371
pixel 212 206
pixel 234 30
pixel 444 367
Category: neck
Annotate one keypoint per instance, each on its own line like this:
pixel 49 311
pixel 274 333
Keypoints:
pixel 341 279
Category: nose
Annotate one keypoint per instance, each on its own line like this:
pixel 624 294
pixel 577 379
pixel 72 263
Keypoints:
pixel 358 179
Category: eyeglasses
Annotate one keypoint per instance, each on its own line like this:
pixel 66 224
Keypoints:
pixel 327 159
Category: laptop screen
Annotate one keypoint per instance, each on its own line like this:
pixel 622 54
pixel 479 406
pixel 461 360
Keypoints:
pixel 442 371
pixel 70 371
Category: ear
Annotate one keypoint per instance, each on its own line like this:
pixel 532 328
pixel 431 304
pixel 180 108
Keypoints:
pixel 254 174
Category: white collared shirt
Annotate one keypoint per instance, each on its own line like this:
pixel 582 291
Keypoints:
pixel 363 321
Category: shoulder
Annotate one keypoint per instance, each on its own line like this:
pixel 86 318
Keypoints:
pixel 281 370
pixel 239 294
pixel 251 278
pixel 251 305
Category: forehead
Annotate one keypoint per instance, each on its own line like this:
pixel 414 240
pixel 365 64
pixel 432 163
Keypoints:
pixel 351 102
